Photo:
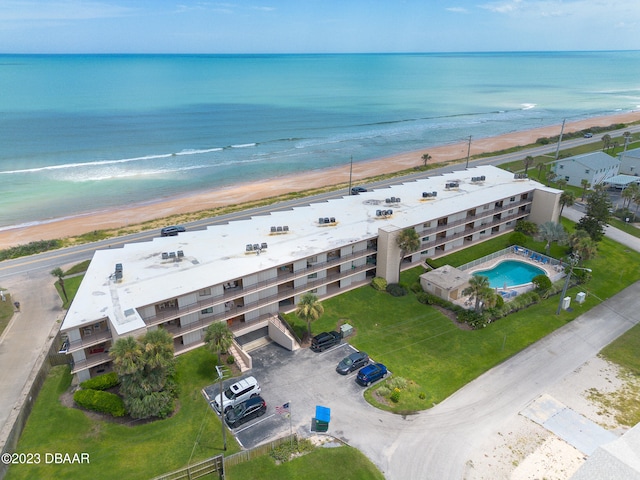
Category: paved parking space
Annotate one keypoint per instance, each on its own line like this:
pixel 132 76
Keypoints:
pixel 303 379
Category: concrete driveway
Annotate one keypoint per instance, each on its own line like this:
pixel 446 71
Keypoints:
pixel 303 379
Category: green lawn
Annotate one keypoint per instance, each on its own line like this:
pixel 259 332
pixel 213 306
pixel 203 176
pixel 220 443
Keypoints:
pixel 420 344
pixel 342 463
pixel 118 451
pixel 6 311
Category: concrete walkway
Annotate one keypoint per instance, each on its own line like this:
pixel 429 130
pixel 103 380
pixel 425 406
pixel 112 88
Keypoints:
pixel 25 342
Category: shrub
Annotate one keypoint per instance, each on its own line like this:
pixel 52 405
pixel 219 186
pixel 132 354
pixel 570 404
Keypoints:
pixel 230 360
pixel 527 228
pixel 398 383
pixel 396 290
pixel 542 283
pixel 423 297
pixel 101 382
pixel 416 287
pixel 422 395
pixel 379 284
pixel 395 396
pixel 99 401
pixel 384 391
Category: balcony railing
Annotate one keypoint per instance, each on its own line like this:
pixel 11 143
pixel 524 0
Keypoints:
pixel 89 340
pixel 251 306
pixel 91 361
pixel 479 216
pixel 239 293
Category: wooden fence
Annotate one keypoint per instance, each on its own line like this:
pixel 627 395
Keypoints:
pixel 217 464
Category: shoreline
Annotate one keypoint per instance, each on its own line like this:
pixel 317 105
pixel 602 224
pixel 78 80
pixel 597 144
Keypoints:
pixel 254 191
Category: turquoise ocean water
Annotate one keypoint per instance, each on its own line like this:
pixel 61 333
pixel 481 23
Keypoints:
pixel 83 133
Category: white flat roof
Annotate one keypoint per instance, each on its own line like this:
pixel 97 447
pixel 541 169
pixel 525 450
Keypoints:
pixel 217 254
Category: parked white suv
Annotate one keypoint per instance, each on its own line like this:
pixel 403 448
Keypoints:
pixel 236 393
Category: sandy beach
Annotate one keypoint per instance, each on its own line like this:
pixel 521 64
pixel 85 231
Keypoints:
pixel 242 193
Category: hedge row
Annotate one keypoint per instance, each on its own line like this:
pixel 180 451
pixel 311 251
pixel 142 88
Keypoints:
pixel 99 401
pixel 101 382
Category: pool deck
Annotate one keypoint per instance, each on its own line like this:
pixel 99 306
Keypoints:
pixel 554 271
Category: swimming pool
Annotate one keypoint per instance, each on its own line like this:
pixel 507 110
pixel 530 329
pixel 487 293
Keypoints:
pixel 510 273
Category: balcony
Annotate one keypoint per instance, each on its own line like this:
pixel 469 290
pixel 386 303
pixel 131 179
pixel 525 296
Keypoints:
pixel 170 313
pixel 251 306
pixel 89 341
pixel 90 361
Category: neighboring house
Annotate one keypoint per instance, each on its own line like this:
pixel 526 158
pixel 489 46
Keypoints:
pixel 630 162
pixel 595 168
pixel 245 272
pixel 446 282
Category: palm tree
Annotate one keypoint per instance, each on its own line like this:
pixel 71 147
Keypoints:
pixel 218 338
pixel 478 289
pixel 127 356
pixel 551 232
pixel 409 241
pixel 540 168
pixel 584 183
pixel 550 177
pixel 158 348
pixel 528 161
pixel 309 309
pixel 629 193
pixel 606 141
pixel 425 158
pixel 567 198
pixel 582 245
pixel 57 272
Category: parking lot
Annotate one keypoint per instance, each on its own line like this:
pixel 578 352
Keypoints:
pixel 303 379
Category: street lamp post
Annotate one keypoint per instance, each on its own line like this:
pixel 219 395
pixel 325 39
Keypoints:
pixel 573 261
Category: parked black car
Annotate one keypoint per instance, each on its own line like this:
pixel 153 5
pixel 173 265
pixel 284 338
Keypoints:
pixel 325 340
pixel 358 190
pixel 245 411
pixel 352 362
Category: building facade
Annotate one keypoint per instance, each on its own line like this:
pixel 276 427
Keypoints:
pixel 595 168
pixel 244 272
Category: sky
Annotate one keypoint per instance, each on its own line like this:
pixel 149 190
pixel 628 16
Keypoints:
pixel 317 26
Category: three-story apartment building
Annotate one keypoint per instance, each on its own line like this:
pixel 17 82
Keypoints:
pixel 246 271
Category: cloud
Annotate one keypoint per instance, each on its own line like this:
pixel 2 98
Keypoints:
pixel 503 7
pixel 457 10
pixel 264 9
pixel 45 11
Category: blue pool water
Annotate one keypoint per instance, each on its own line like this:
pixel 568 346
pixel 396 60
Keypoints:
pixel 510 273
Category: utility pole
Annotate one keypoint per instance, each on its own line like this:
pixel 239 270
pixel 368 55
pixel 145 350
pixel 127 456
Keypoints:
pixel 560 140
pixel 468 153
pixel 350 173
pixel 220 372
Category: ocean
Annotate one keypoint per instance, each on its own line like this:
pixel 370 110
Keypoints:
pixel 85 133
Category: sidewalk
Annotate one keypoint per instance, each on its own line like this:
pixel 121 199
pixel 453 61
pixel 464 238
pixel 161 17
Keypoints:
pixel 25 341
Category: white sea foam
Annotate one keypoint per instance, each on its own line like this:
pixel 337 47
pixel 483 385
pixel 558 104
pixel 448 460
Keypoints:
pixel 528 106
pixel 244 145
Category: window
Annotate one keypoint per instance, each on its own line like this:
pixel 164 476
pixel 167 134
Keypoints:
pixel 524 196
pixel 205 292
pixel 561 167
pixel 313 275
pixel 426 225
pixel 425 239
pixel 512 199
pixel 586 171
pixel 207 310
